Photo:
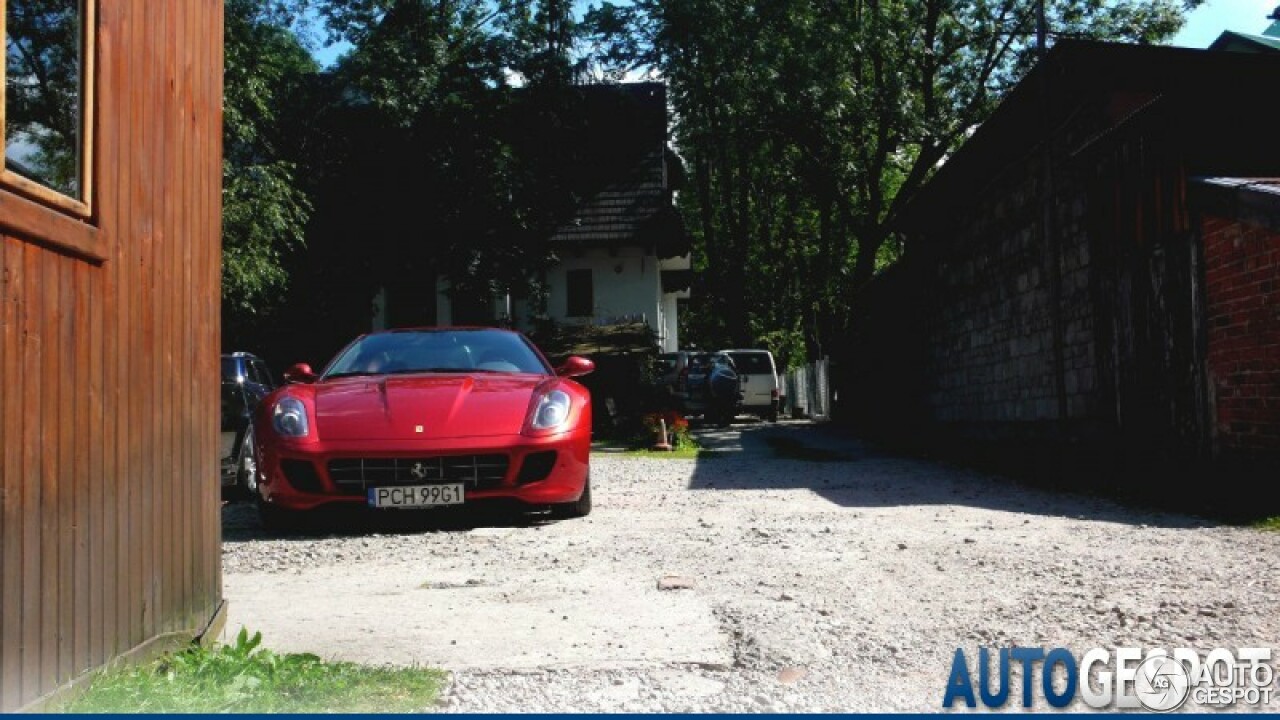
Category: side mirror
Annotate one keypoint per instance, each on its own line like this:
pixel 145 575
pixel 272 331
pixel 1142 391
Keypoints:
pixel 300 372
pixel 575 366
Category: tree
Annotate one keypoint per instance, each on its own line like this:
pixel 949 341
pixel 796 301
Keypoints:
pixel 542 38
pixel 809 125
pixel 265 208
pixel 452 128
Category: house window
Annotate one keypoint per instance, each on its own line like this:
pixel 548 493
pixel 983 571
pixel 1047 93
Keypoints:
pixel 47 134
pixel 581 302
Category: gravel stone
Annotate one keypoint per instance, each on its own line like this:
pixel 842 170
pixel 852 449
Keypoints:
pixel 873 631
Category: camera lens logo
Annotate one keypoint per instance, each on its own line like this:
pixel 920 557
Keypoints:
pixel 1162 684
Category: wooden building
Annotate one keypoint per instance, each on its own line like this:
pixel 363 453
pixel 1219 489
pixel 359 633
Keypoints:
pixel 109 324
pixel 1071 302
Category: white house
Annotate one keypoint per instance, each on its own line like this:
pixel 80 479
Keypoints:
pixel 624 255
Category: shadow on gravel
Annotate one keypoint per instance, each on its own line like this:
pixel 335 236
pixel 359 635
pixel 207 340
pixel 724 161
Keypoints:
pixel 240 521
pixel 851 473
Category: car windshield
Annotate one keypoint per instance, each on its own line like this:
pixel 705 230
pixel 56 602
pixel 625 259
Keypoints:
pixel 752 363
pixel 438 351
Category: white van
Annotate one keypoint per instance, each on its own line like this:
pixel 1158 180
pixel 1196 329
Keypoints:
pixel 759 376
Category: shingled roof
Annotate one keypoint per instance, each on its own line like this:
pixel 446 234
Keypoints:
pixel 634 208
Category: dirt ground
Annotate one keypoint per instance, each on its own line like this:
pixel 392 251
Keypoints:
pixel 795 571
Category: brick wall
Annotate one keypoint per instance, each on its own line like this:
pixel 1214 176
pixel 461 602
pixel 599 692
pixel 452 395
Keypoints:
pixel 1242 298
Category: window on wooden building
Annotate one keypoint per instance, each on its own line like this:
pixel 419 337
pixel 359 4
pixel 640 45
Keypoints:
pixel 47 134
pixel 581 301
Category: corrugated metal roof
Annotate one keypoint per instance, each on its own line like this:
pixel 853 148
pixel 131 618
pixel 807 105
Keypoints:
pixel 1264 185
pixel 1232 40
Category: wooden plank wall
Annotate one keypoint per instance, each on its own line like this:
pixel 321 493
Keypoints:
pixel 109 511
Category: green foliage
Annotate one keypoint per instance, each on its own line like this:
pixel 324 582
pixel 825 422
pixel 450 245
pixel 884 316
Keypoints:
pixel 432 164
pixel 787 347
pixel 244 677
pixel 804 128
pixel 541 38
pixel 807 126
pixel 263 216
pixel 265 207
pixel 681 453
pixel 411 56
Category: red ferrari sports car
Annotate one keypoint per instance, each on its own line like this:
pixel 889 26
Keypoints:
pixel 425 418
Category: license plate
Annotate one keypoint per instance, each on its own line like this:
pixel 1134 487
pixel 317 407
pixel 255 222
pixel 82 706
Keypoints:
pixel 416 496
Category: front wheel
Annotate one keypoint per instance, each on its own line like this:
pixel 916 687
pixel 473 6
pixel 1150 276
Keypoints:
pixel 275 518
pixel 579 508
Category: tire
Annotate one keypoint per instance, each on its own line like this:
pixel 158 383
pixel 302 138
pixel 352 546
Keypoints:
pixel 276 519
pixel 772 415
pixel 247 467
pixel 579 508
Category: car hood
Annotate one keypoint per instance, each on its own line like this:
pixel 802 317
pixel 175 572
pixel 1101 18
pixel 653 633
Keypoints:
pixel 423 407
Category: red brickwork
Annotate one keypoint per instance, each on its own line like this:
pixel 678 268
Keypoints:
pixel 1242 293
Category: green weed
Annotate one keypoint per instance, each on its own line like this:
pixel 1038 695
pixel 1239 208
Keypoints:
pixel 245 677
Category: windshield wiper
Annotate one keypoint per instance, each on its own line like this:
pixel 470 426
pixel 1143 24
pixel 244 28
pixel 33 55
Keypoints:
pixel 351 373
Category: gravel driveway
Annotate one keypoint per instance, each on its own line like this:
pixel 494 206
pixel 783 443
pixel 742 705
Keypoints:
pixel 839 583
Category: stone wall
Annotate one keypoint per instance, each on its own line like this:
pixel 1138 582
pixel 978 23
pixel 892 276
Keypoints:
pixel 1065 345
pixel 998 316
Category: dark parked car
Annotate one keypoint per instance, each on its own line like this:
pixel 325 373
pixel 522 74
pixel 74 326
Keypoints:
pixel 712 387
pixel 245 381
pixel 693 382
pixel 671 369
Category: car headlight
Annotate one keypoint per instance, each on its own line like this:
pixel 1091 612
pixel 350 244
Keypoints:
pixel 552 411
pixel 289 417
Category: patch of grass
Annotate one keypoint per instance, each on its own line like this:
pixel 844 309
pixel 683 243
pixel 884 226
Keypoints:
pixel 791 449
pixel 1271 523
pixel 681 453
pixel 247 678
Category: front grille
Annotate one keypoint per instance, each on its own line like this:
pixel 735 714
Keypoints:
pixel 479 472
